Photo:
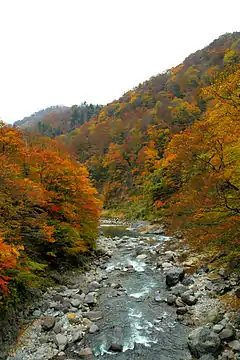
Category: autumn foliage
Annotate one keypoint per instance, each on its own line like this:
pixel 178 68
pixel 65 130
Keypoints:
pixel 169 148
pixel 48 208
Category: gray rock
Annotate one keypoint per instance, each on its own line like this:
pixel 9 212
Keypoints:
pixel 57 328
pixel 77 335
pixel 174 275
pixel 181 310
pixel 188 298
pixel 93 315
pixel 61 341
pixel 235 345
pixel 179 302
pixel 203 341
pixel 77 296
pixel 66 303
pixel 217 328
pixel 94 328
pixel 188 281
pixel 116 347
pixel 227 333
pixel 94 285
pixel 85 352
pixel 179 289
pixel 158 298
pixel 89 299
pixel 75 302
pixel 171 299
pixel 207 357
pixel 48 323
pixel 57 297
pixel 214 316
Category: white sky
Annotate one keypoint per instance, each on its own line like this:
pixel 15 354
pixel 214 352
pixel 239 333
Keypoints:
pixel 67 51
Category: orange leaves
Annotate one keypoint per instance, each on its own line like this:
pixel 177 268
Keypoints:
pixel 48 232
pixel 158 204
pixel 8 260
pixel 47 204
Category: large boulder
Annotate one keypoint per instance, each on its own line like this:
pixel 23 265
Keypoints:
pixel 174 275
pixel 203 341
pixel 48 323
pixel 61 341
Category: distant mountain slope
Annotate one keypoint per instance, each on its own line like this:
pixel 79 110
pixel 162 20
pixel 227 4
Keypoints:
pixel 31 120
pixel 57 120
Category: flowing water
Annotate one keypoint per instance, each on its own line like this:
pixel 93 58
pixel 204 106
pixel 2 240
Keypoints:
pixel 137 317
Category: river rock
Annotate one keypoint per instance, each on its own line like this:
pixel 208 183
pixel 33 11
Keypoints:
pixel 116 347
pixel 188 298
pixel 179 302
pixel 203 341
pixel 165 265
pixel 85 352
pixel 94 328
pixel 178 289
pixel 141 257
pixel 171 299
pixel 89 299
pixel 217 328
pixel 57 328
pixel 77 335
pixel 48 323
pixel 174 275
pixel 61 341
pixel 93 315
pixel 181 310
pixel 75 302
pixel 188 280
pixel 94 285
pixel 235 345
pixel 227 333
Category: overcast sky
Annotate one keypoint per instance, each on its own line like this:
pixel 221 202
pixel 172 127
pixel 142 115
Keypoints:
pixel 67 51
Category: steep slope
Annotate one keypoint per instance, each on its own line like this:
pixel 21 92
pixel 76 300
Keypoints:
pixel 123 143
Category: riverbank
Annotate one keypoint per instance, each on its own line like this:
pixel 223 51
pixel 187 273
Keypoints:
pixel 123 306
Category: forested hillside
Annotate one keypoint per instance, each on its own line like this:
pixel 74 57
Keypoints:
pixel 57 120
pixel 48 210
pixel 170 147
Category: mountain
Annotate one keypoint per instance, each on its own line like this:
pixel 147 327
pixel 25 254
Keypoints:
pixel 169 149
pixel 119 144
pixel 57 120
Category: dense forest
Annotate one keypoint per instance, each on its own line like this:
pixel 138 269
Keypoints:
pixel 58 120
pixel 48 209
pixel 168 149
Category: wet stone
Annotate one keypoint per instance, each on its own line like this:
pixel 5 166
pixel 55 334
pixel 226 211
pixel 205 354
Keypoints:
pixel 116 347
pixel 94 328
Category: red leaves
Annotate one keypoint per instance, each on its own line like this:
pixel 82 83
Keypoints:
pixel 44 196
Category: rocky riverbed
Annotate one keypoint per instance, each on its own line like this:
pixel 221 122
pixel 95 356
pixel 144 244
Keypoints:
pixel 135 302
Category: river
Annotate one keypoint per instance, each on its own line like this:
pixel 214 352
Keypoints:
pixel 136 315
